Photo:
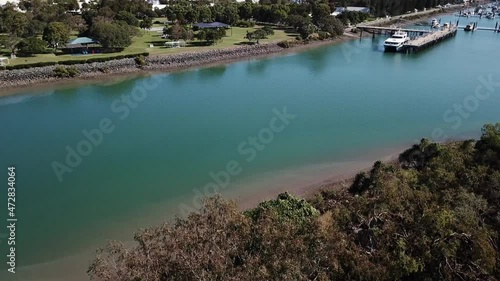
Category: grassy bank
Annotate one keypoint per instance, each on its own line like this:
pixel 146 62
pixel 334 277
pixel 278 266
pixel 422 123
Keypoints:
pixel 140 44
pixel 235 36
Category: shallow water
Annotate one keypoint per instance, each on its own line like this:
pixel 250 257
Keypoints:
pixel 352 104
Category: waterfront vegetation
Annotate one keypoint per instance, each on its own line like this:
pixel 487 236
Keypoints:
pixel 39 32
pixel 142 42
pixel 433 215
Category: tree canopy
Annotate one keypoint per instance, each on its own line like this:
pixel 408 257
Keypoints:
pixel 56 34
pixel 432 215
pixel 111 34
pixel 32 45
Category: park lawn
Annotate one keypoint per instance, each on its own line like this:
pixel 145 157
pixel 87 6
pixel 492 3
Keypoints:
pixel 237 37
pixel 141 44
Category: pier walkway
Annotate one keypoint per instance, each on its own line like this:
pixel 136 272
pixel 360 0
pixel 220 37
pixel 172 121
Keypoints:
pixel 391 29
pixel 428 40
pixel 481 28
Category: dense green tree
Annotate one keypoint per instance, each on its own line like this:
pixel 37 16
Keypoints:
pixel 107 13
pixel 146 23
pixel 111 35
pixel 32 45
pixel 193 15
pixel 297 21
pixel 205 14
pixel 257 35
pixel 210 35
pixel 245 10
pixel 76 23
pixel 127 17
pixel 67 5
pixel 261 12
pixel 278 13
pixel 268 30
pixel 320 11
pixel 56 34
pixel 34 27
pixel 13 23
pixel 227 14
pixel 177 12
pixel 286 208
pixel 300 9
pixel 489 145
pixel 176 32
pixel 305 30
pixel 140 8
pixel 89 16
pixel 331 25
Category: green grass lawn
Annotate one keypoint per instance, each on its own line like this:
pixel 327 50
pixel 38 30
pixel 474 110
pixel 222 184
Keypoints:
pixel 142 44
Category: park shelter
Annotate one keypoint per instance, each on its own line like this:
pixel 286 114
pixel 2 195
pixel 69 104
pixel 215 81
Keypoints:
pixel 175 44
pixel 4 61
pixel 82 45
pixel 213 25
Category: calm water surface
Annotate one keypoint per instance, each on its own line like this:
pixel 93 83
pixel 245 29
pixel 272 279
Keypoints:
pixel 351 100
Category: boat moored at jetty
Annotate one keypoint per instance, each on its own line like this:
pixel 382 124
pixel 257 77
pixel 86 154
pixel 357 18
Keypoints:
pixel 470 27
pixel 396 42
pixel 435 23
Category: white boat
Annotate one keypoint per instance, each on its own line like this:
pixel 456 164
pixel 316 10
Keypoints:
pixel 470 27
pixel 396 42
pixel 435 23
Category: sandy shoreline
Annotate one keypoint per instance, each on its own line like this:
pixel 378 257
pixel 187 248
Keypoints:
pixel 303 181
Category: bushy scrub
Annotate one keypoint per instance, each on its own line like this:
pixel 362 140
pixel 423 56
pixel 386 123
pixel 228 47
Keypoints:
pixel 66 72
pixel 140 61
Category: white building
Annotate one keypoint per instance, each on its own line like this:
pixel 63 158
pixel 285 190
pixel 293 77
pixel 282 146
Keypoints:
pixel 156 4
pixel 3 2
pixel 340 10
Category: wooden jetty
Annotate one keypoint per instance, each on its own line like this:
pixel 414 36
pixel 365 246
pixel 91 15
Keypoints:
pixel 496 28
pixel 476 27
pixel 431 39
pixel 481 28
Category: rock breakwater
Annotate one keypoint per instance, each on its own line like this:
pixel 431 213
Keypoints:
pixel 25 77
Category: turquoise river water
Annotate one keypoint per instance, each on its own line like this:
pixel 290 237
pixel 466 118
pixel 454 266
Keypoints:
pixel 348 105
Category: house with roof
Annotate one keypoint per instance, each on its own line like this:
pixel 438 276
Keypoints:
pixel 82 45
